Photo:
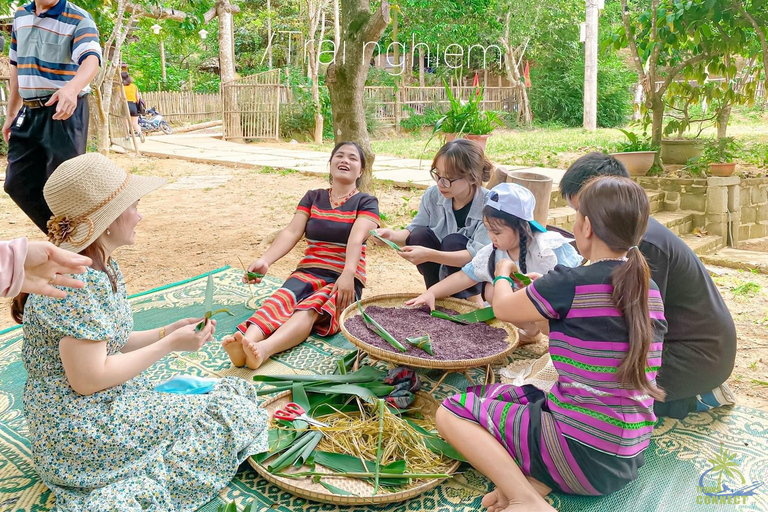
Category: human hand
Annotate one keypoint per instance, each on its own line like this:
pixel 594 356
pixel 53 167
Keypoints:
pixel 187 339
pixel 345 289
pixel 533 275
pixel 66 97
pixel 416 254
pixel 505 268
pixel 7 128
pixel 427 298
pixel 178 324
pixel 260 266
pixel 45 265
pixel 384 233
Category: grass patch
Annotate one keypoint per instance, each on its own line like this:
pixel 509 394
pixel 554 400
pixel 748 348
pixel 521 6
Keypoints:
pixel 746 289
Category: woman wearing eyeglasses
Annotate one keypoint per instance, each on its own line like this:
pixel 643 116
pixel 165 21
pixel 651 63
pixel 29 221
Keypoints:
pixel 448 230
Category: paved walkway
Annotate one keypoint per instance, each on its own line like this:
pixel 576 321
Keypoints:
pixel 210 149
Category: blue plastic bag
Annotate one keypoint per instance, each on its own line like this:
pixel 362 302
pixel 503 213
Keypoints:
pixel 187 385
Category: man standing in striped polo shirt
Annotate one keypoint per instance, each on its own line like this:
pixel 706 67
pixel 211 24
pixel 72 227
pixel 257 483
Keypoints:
pixel 55 53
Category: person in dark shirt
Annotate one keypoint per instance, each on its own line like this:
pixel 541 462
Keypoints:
pixel 700 345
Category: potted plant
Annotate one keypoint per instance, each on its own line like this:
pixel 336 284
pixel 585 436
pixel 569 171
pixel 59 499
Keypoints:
pixel 637 153
pixel 720 155
pixel 675 147
pixel 464 118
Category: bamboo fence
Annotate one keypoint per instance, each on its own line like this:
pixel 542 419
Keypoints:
pixel 251 106
pixel 185 106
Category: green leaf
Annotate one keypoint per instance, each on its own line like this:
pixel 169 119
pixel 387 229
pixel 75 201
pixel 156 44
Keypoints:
pixel 436 444
pixel 208 304
pixel 364 374
pixel 293 453
pixel 378 448
pixel 306 453
pixel 374 326
pixel 348 464
pixel 334 489
pixel 348 389
pixel 522 278
pixel 390 243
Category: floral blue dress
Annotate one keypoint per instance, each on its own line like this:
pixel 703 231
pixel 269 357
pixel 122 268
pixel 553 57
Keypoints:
pixel 127 447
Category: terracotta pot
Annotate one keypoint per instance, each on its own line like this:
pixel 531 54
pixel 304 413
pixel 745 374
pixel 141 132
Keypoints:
pixel 679 151
pixel 449 137
pixel 722 170
pixel 480 139
pixel 638 163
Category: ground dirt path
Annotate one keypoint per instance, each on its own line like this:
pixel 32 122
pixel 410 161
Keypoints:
pixel 226 212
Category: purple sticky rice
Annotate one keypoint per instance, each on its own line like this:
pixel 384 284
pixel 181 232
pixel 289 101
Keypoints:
pixel 450 341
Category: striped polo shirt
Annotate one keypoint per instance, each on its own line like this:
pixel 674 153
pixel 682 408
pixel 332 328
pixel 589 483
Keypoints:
pixel 588 340
pixel 47 49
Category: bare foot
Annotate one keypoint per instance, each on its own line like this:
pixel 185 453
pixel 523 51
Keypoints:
pixel 254 357
pixel 539 505
pixel 495 501
pixel 233 344
pixel 530 337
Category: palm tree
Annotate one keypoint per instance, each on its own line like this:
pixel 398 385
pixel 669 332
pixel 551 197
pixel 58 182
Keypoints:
pixel 723 462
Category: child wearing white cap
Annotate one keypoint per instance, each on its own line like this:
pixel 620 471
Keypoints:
pixel 515 235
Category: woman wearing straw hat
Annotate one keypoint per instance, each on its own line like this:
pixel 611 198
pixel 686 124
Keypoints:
pixel 102 438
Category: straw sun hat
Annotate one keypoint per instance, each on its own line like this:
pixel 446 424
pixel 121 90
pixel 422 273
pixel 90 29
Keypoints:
pixel 86 194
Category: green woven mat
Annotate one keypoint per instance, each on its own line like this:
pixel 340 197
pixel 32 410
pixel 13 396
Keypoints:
pixel 679 453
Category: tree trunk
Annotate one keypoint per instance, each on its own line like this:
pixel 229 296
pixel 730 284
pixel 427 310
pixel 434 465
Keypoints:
pixel 512 63
pixel 336 27
pixel 316 14
pixel 226 57
pixel 421 66
pixel 346 80
pixel 722 121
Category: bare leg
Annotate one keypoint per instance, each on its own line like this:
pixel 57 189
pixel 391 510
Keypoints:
pixel 290 334
pixel 477 299
pixel 489 457
pixel 135 123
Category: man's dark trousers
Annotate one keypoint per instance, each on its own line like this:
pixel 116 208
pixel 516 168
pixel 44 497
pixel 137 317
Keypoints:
pixel 35 150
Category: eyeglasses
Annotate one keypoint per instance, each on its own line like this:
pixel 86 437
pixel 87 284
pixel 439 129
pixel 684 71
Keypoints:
pixel 443 182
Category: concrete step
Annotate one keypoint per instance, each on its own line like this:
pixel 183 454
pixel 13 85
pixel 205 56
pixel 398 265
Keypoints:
pixel 702 245
pixel 679 222
pixel 737 258
pixel 562 217
pixel 557 201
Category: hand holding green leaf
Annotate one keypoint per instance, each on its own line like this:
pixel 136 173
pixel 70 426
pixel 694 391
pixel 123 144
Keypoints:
pixel 209 305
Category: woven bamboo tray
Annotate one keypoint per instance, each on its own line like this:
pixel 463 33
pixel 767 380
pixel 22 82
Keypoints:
pixel 306 488
pixel 397 300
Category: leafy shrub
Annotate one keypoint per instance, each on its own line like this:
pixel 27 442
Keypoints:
pixel 557 91
pixel 415 122
pixel 635 142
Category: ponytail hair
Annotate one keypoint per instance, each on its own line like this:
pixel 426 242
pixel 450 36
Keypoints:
pixel 618 211
pixel 17 307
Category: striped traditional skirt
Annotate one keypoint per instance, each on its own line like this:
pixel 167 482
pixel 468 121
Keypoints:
pixel 304 290
pixel 519 419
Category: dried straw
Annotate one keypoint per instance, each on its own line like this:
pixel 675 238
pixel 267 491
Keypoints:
pixel 356 435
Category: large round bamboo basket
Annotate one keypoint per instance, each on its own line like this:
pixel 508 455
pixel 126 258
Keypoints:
pixel 397 300
pixel 306 488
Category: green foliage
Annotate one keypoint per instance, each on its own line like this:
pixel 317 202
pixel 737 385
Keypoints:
pixel 557 89
pixel 465 116
pixel 721 151
pixel 415 122
pixel 634 142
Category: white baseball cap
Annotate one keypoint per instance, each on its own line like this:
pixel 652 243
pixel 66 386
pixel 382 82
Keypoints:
pixel 515 200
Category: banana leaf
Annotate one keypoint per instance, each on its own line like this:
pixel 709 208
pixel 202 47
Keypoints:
pixel 436 444
pixel 209 313
pixel 299 396
pixel 307 453
pixel 253 275
pixel 390 243
pixel 378 448
pixel 374 326
pixel 295 451
pixel 333 489
pixel 344 364
pixel 364 374
pixel 348 464
pixel 347 389
pixel 522 278
pixel 439 314
pixel 422 342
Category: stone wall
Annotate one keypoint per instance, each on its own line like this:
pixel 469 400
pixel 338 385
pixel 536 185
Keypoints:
pixel 716 204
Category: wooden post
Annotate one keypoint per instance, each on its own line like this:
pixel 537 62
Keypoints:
pixel 398 79
pixel 269 33
pixel 162 59
pixel 590 68
pixel 539 184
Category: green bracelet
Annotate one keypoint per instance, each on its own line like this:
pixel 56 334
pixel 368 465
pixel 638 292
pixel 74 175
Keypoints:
pixel 504 278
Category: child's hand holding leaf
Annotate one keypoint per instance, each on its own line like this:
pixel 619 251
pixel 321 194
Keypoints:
pixel 505 267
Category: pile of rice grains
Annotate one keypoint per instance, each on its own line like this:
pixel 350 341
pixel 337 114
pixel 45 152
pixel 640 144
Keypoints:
pixel 450 341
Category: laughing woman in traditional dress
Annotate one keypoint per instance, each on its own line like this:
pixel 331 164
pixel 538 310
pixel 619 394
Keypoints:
pixel 102 438
pixel 606 322
pixel 336 222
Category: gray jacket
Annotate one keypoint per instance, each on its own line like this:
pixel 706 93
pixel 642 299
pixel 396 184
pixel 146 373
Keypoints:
pixel 436 213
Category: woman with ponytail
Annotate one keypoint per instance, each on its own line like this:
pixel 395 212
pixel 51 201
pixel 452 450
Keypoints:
pixel 515 235
pixel 448 229
pixel 606 322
